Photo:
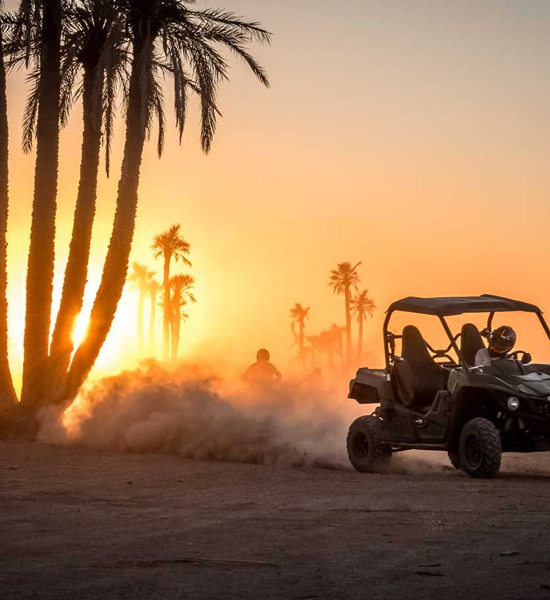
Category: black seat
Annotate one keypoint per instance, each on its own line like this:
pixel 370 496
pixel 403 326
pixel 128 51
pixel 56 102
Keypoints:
pixel 418 376
pixel 470 343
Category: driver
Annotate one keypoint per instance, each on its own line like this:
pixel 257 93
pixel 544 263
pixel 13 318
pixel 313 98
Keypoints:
pixel 501 341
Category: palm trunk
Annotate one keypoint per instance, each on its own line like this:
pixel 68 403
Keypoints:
pixel 152 316
pixel 301 347
pixel 348 327
pixel 141 303
pixel 76 271
pixel 176 321
pixel 41 251
pixel 360 342
pixel 166 310
pixel 116 263
pixel 8 398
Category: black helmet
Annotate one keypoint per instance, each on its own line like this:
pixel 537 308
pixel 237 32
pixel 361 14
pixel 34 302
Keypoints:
pixel 502 340
pixel 263 354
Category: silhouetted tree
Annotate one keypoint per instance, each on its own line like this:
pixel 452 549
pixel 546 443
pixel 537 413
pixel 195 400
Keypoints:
pixel 362 306
pixel 8 397
pixel 93 44
pixel 166 38
pixel 342 280
pixel 140 276
pixel 337 334
pixel 35 41
pixel 169 245
pixel 153 289
pixel 181 287
pixel 299 314
pixel 314 348
pixel 326 343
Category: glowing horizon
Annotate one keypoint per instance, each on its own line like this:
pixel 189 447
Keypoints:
pixel 417 145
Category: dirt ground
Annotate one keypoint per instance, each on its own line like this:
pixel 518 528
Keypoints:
pixel 77 524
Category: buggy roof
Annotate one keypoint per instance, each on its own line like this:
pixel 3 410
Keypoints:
pixel 458 305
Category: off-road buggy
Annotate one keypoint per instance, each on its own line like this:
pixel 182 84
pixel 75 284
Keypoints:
pixel 430 400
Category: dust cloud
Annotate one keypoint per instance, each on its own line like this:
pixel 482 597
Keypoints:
pixel 189 413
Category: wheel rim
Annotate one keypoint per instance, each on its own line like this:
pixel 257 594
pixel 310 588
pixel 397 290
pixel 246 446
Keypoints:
pixel 473 451
pixel 361 445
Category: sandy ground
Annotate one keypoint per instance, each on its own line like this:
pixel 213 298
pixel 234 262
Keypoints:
pixel 77 524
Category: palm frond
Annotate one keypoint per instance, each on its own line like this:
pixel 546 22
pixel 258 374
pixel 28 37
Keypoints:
pixel 30 116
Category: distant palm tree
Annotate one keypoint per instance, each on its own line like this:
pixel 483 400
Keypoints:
pixel 8 398
pixel 93 43
pixel 140 276
pixel 169 245
pixel 362 306
pixel 153 289
pixel 342 280
pixel 314 349
pixel 337 333
pixel 299 314
pixel 326 343
pixel 181 287
pixel 166 38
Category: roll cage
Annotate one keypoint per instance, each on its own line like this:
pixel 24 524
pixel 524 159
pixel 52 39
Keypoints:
pixel 451 306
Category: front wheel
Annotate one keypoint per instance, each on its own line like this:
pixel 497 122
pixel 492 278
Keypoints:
pixel 480 448
pixel 365 451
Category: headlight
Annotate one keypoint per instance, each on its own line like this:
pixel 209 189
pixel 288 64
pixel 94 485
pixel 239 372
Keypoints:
pixel 513 403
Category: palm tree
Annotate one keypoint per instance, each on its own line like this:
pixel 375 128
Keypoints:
pixel 166 37
pixel 93 43
pixel 337 334
pixel 36 40
pixel 299 314
pixel 8 398
pixel 140 277
pixel 326 343
pixel 314 348
pixel 153 289
pixel 167 245
pixel 181 287
pixel 342 280
pixel 362 306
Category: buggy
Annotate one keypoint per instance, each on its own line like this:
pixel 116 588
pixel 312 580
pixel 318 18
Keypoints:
pixel 429 400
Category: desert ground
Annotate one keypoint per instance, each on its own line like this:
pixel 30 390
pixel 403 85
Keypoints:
pixel 82 524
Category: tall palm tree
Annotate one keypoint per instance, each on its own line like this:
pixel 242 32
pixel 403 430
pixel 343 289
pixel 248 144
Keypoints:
pixel 167 38
pixel 362 306
pixel 93 44
pixel 153 289
pixel 8 397
pixel 169 245
pixel 181 287
pixel 299 314
pixel 140 276
pixel 36 41
pixel 342 280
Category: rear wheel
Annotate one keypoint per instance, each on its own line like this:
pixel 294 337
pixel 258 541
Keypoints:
pixel 365 451
pixel 480 448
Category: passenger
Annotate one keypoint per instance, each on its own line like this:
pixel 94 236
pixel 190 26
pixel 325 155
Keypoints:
pixel 501 342
pixel 262 374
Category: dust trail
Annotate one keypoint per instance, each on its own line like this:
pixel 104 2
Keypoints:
pixel 192 415
pixel 416 462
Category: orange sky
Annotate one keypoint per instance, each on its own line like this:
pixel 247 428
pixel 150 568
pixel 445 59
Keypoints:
pixel 409 134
